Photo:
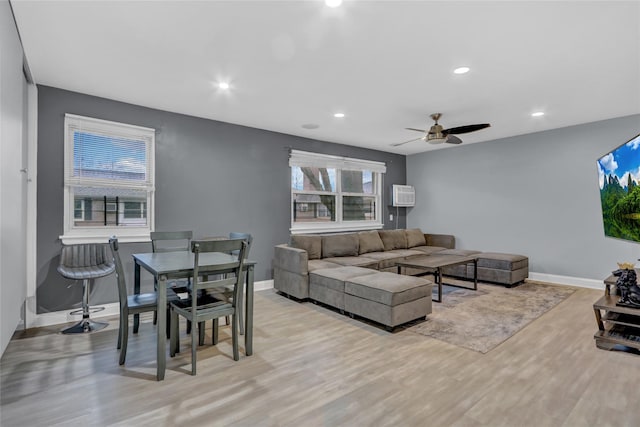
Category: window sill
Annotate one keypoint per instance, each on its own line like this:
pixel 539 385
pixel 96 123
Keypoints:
pixel 104 236
pixel 314 228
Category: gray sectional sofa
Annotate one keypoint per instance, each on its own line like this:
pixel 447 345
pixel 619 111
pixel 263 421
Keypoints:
pixel 356 272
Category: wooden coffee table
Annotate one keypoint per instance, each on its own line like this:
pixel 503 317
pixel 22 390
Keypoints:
pixel 434 263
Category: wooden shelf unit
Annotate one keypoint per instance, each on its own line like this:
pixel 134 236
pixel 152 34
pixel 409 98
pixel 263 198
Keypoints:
pixel 617 325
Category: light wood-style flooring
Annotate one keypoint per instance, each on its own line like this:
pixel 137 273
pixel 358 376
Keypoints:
pixel 314 367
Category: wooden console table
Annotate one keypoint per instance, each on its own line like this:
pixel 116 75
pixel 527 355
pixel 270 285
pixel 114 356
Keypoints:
pixel 617 325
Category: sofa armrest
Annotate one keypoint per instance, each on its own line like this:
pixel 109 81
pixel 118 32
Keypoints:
pixel 443 240
pixel 291 259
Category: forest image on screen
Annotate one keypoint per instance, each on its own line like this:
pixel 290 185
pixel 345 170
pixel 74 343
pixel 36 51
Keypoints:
pixel 619 179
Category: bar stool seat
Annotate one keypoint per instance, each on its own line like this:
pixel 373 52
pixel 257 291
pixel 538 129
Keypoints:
pixel 85 262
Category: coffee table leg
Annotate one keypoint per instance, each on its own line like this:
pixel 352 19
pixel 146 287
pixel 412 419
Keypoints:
pixel 475 274
pixel 439 282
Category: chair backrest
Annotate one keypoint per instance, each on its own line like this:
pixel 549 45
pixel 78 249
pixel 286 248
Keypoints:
pixel 122 284
pixel 84 255
pixel 171 241
pixel 221 279
pixel 247 237
pixel 85 261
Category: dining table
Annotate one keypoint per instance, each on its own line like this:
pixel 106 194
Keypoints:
pixel 166 266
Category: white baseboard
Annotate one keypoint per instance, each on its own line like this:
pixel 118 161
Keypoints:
pixel 567 280
pixel 111 309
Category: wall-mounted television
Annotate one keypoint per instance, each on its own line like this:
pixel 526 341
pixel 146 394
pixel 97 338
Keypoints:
pixel 619 179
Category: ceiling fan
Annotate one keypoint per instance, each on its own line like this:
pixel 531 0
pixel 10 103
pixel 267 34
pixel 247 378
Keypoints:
pixel 437 135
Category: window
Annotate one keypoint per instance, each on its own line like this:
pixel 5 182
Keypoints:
pixel 109 180
pixel 332 193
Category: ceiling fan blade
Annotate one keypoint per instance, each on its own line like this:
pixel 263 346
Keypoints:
pixel 406 142
pixel 451 139
pixel 465 129
pixel 417 130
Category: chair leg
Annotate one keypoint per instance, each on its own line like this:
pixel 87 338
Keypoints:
pixel 167 320
pixel 174 341
pixel 125 337
pixel 240 311
pixel 194 337
pixel 188 326
pixel 155 317
pixel 214 333
pixel 234 336
pixel 201 329
pixel 120 331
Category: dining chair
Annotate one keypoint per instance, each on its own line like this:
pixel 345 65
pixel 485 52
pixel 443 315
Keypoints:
pixel 129 304
pixel 170 241
pixel 85 262
pixel 249 239
pixel 202 305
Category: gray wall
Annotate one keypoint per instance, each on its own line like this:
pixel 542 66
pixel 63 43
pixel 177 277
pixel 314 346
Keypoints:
pixel 13 143
pixel 534 194
pixel 211 177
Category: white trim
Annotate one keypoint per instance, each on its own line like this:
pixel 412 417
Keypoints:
pixel 110 309
pixel 30 305
pixel 263 285
pixel 103 235
pixel 567 280
pixel 77 235
pixel 316 160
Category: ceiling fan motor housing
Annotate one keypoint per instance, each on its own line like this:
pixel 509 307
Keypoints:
pixel 435 135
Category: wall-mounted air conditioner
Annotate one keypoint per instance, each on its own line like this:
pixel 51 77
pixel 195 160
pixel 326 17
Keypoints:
pixel 403 195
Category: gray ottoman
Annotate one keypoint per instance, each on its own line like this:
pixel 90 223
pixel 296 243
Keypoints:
pixel 388 298
pixel 326 285
pixel 507 269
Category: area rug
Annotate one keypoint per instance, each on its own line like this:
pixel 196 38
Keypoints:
pixel 480 320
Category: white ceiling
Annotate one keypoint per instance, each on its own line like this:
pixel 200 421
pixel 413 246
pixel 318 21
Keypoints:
pixel 386 64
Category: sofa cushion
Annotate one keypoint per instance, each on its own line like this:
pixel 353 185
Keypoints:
pixel 415 237
pixel 316 264
pixel 388 288
pixel 334 278
pixel 428 250
pixel 459 252
pixel 358 261
pixel 393 239
pixel 370 241
pixel 340 245
pixel 502 261
pixel 311 244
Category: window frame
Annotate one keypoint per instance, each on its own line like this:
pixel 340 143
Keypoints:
pixel 306 159
pixel 100 234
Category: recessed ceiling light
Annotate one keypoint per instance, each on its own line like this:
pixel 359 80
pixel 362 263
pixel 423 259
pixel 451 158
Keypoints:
pixel 338 115
pixel 537 114
pixel 461 70
pixel 333 3
pixel 223 85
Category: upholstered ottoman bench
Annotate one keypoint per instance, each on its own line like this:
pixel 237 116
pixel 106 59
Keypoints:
pixel 388 298
pixel 506 269
pixel 495 267
pixel 326 285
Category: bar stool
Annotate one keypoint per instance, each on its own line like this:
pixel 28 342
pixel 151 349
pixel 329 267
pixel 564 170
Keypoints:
pixel 85 262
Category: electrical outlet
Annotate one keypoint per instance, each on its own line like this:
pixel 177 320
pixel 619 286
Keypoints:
pixel 390 217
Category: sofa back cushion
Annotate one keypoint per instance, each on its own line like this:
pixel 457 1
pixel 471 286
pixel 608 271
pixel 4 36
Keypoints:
pixel 393 239
pixel 311 244
pixel 370 241
pixel 415 237
pixel 340 245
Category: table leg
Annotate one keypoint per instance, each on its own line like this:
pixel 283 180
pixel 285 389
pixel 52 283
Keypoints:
pixel 161 327
pixel 439 282
pixel 136 290
pixel 248 327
